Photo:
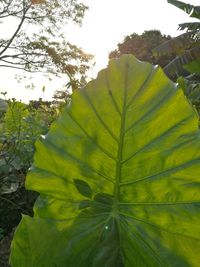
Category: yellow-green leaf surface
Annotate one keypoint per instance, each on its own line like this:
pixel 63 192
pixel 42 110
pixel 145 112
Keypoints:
pixel 118 175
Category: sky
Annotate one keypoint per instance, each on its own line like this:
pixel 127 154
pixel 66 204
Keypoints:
pixel 105 24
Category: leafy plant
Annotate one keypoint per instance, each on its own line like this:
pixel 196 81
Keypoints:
pixel 185 66
pixel 118 177
pixel 186 46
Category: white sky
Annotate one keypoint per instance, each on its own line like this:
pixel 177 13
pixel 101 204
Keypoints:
pixel 106 23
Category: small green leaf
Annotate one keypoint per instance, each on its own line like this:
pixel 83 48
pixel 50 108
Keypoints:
pixel 83 188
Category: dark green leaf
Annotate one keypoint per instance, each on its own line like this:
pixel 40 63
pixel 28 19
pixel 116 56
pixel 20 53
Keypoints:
pixel 83 188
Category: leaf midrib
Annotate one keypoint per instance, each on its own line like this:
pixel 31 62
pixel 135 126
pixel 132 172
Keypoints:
pixel 121 142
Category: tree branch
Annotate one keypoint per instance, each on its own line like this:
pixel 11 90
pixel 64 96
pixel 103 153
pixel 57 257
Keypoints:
pixel 30 71
pixel 17 30
pixel 21 54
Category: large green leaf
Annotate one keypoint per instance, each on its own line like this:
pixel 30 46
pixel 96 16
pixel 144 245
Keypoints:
pixel 186 40
pixel 118 176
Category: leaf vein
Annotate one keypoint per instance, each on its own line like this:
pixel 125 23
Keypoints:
pixel 157 138
pixel 71 157
pixel 99 117
pixel 164 172
pixel 159 227
pixel 154 108
pixel 89 137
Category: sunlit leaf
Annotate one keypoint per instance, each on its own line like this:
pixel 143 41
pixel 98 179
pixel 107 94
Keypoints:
pixel 133 138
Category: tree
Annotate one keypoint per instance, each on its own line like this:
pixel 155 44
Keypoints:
pixel 142 45
pixel 38 43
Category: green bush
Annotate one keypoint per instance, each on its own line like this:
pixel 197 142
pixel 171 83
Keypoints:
pixel 20 126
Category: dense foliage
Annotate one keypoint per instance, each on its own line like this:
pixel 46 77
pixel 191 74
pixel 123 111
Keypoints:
pixel 118 177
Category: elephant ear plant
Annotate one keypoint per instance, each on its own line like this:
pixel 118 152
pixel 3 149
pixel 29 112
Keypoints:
pixel 118 176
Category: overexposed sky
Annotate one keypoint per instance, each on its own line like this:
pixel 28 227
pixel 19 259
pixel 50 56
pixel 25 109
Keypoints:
pixel 106 23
